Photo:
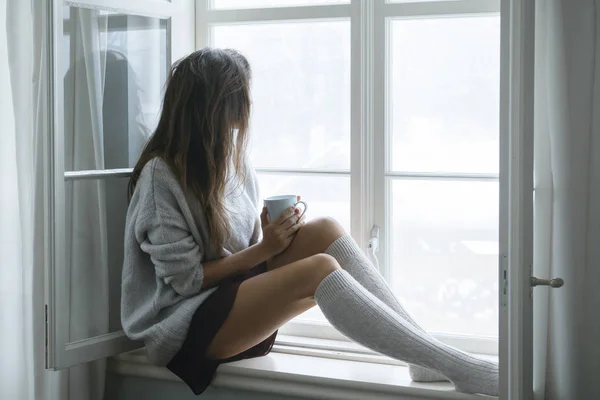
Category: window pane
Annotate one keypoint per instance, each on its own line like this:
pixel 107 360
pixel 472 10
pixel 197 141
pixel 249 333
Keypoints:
pixel 115 69
pixel 95 213
pixel 444 247
pixel 326 196
pixel 445 79
pixel 220 4
pixel 300 91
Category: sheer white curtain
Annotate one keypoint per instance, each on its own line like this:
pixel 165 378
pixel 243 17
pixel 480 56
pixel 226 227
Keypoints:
pixel 24 115
pixel 567 199
pixel 23 87
pixel 85 201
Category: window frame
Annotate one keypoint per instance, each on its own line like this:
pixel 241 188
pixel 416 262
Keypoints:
pixel 370 172
pixel 62 353
pixel 369 20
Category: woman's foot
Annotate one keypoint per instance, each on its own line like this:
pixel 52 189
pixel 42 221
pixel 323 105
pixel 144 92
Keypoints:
pixel 420 374
pixel 362 317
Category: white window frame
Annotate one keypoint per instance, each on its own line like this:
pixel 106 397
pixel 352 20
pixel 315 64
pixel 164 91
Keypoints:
pixel 60 352
pixel 369 165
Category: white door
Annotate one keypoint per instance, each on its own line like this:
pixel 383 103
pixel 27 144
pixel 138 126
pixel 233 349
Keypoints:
pixel 109 63
pixel 516 202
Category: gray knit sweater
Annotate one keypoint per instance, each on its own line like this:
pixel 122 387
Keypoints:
pixel 166 242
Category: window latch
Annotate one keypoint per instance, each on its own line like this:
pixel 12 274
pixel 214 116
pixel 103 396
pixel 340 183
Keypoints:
pixel 373 246
pixel 374 240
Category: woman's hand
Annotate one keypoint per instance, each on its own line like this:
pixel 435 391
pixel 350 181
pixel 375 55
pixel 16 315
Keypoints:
pixel 278 235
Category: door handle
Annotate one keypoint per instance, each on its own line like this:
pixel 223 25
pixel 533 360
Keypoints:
pixel 553 283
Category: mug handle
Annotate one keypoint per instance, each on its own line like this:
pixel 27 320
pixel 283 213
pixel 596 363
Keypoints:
pixel 305 207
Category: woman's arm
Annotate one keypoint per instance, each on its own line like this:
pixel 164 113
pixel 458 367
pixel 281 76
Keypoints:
pixel 163 233
pixel 177 258
pixel 277 236
pixel 216 271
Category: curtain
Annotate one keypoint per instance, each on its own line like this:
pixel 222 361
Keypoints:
pixel 85 201
pixel 567 199
pixel 23 112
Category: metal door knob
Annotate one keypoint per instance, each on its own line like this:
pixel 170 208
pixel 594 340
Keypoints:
pixel 555 282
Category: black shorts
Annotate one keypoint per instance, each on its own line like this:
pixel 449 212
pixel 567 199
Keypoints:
pixel 190 363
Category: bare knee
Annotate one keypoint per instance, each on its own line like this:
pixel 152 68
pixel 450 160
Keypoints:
pixel 328 225
pixel 318 267
pixel 313 238
pixel 324 264
pixel 325 230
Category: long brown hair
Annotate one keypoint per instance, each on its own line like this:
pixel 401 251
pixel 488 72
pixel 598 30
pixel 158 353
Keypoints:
pixel 207 98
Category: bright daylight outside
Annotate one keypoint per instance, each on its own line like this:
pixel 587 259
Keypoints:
pixel 442 147
pixel 445 120
pixel 301 111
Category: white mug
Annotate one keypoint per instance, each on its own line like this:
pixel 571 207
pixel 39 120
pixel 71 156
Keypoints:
pixel 276 205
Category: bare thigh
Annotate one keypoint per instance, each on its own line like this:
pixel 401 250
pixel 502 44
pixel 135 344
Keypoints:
pixel 267 301
pixel 314 238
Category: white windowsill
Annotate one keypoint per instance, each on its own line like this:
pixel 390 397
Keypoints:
pixel 316 374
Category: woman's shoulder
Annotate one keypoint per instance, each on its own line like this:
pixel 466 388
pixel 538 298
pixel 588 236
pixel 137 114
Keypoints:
pixel 158 181
pixel 153 165
pixel 157 172
pixel 156 198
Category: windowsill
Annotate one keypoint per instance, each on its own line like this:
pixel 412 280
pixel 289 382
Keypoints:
pixel 307 373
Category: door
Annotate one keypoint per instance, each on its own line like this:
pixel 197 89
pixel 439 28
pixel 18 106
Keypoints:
pixel 109 63
pixel 516 201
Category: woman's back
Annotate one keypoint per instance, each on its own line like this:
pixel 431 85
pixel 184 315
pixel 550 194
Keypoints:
pixel 166 241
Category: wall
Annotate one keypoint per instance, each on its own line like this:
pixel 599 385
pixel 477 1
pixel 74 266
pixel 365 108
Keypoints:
pixel 133 388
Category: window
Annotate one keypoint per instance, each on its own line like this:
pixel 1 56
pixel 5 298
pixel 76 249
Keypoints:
pixel 107 92
pixel 384 114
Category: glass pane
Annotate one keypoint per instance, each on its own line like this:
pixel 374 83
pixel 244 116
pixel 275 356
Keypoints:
pixel 326 196
pixel 444 247
pixel 115 69
pixel 220 4
pixel 95 213
pixel 300 91
pixel 445 80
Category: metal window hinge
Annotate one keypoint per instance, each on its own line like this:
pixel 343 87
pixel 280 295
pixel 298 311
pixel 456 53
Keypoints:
pixel 531 286
pixel 504 281
pixel 46 334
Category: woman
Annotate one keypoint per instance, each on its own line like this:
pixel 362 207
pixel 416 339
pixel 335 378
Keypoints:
pixel 200 286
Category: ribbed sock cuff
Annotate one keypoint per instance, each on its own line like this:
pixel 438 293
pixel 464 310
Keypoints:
pixel 342 248
pixel 335 283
